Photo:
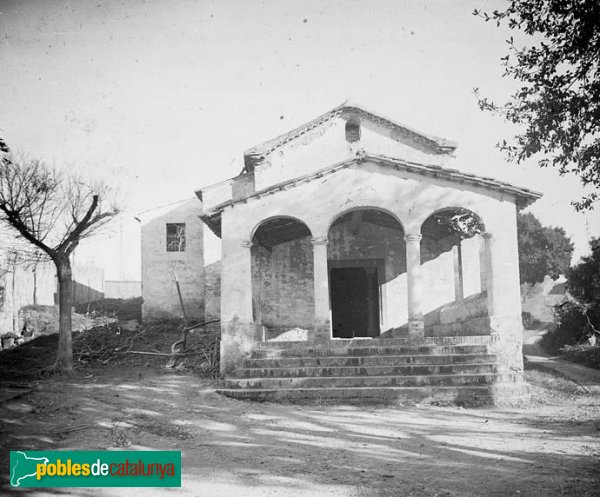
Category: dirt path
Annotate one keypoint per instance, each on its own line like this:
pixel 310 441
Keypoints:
pixel 539 359
pixel 233 448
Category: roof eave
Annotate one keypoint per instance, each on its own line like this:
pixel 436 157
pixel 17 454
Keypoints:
pixel 524 197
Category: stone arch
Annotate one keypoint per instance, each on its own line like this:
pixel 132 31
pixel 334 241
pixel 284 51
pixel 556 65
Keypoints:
pixel 368 207
pixel 366 259
pixel 282 219
pixel 282 262
pixel 457 210
pixel 452 263
pixel 425 215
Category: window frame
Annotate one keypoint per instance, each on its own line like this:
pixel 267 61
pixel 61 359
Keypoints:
pixel 176 239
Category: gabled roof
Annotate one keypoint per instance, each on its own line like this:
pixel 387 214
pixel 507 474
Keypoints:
pixel 155 212
pixel 524 196
pixel 348 110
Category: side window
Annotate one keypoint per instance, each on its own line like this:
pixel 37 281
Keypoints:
pixel 175 237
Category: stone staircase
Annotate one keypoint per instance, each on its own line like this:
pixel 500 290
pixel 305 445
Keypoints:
pixel 458 370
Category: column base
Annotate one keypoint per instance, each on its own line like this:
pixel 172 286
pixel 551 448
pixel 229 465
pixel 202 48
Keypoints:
pixel 507 341
pixel 237 342
pixel 321 332
pixel 416 330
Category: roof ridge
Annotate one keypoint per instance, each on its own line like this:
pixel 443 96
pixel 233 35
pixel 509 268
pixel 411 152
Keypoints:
pixel 258 152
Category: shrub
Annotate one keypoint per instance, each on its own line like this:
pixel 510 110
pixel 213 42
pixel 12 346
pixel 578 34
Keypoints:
pixel 579 318
pixel 570 327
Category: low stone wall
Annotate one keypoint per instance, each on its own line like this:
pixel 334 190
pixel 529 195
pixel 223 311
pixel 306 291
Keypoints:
pixel 43 320
pixel 464 318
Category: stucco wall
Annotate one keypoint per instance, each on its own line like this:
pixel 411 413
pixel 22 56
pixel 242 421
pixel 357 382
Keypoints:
pixel 212 291
pixel 159 291
pixel 88 284
pixel 438 274
pixel 327 145
pixel 120 289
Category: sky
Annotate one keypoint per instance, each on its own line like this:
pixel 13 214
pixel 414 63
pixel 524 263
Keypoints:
pixel 161 97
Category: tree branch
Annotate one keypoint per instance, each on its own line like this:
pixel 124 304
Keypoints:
pixel 69 244
pixel 16 222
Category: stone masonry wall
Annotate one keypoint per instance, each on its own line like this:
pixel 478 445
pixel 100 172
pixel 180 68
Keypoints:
pixel 283 286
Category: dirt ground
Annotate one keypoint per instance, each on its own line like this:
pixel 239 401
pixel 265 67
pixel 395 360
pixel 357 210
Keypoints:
pixel 549 447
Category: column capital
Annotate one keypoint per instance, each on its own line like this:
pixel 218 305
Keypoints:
pixel 413 237
pixel 246 243
pixel 487 235
pixel 319 240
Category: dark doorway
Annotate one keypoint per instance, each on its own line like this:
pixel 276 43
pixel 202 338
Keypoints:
pixel 354 302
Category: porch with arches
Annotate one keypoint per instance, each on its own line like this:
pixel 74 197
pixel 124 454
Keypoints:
pixel 367 251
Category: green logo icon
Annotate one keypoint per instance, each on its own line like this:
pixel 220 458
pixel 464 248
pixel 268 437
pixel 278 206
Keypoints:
pixel 23 466
pixel 95 468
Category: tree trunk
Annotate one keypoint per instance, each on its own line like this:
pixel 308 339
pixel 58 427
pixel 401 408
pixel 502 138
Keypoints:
pixel 64 359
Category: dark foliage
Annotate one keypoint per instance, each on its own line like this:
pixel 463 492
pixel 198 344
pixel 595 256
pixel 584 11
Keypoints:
pixel 543 250
pixel 460 222
pixel 588 356
pixel 579 319
pixel 569 329
pixel 557 106
pixel 584 278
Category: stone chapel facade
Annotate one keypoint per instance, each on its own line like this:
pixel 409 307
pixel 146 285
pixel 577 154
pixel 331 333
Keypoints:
pixel 358 262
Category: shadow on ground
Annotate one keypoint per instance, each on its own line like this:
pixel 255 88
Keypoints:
pixel 238 448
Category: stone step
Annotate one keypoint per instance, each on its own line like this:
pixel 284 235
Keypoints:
pixel 366 360
pixel 451 340
pixel 494 394
pixel 395 370
pixel 369 350
pixel 371 381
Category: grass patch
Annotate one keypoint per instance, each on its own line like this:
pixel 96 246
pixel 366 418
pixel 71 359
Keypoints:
pixel 549 387
pixel 586 355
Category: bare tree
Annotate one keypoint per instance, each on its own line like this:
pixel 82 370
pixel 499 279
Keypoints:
pixel 53 211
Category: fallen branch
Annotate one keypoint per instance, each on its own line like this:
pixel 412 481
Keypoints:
pixel 167 354
pixel 76 428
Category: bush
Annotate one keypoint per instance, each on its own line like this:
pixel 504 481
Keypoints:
pixel 588 355
pixel 571 324
pixel 578 319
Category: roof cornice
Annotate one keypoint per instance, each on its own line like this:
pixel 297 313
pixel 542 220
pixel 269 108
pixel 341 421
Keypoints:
pixel 524 196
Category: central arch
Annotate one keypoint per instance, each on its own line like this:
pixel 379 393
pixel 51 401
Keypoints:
pixel 367 273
